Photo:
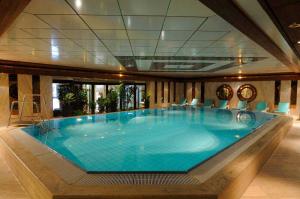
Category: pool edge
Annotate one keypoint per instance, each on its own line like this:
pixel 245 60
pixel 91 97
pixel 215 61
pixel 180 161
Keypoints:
pixel 49 185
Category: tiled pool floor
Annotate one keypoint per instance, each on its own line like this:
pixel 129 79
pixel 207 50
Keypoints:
pixel 279 178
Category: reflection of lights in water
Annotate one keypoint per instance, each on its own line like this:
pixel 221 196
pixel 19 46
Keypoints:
pixel 85 135
pixel 237 136
pixel 130 113
pixel 79 119
pixel 89 118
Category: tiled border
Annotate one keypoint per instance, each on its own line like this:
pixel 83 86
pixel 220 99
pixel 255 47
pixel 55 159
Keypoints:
pixel 44 174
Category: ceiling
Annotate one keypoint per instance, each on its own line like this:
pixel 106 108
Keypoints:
pixel 157 37
pixel 286 15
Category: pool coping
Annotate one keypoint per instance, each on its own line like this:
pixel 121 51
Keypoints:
pixel 45 174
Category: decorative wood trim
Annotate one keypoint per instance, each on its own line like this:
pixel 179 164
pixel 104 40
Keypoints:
pixel 67 71
pixel 229 11
pixel 9 11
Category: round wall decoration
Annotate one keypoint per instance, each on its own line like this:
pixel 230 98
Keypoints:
pixel 224 92
pixel 247 92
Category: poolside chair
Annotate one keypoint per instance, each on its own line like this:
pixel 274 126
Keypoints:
pixel 261 106
pixel 242 105
pixel 283 107
pixel 223 104
pixel 208 103
pixel 182 102
pixel 194 102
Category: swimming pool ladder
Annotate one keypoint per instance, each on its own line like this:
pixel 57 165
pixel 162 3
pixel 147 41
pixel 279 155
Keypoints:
pixel 35 118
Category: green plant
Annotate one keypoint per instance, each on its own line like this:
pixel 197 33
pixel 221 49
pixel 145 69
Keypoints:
pixel 101 101
pixel 112 101
pixel 69 98
pixel 92 106
pixel 122 95
pixel 73 99
pixel 146 100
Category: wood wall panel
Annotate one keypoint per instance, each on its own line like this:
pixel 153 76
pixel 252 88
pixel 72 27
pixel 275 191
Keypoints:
pixel 4 99
pixel 25 88
pixel 189 92
pixel 285 91
pixel 198 90
pixel 46 92
pixel 265 91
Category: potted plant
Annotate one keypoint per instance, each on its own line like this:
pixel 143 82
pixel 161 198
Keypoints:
pixel 147 100
pixel 101 101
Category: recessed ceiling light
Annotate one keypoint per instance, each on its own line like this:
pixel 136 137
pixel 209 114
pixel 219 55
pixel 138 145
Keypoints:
pixel 298 42
pixel 78 4
pixel 294 25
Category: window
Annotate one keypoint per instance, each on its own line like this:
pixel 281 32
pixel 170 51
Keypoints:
pixel 13 92
pixel 36 91
pixel 193 90
pixel 277 92
pixel 184 89
pixel 162 92
pixel 155 92
pixel 294 85
pixel 202 91
pixel 174 92
pixel 169 91
pixel 55 100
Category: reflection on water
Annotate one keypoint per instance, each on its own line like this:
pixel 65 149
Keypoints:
pixel 154 140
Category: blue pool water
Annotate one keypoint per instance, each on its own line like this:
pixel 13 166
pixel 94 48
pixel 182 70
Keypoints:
pixel 154 140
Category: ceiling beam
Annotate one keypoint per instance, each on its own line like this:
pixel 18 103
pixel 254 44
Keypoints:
pixel 9 11
pixel 16 67
pixel 230 12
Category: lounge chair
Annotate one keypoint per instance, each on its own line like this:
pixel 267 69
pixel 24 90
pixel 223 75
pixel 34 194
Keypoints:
pixel 261 106
pixel 283 107
pixel 181 103
pixel 194 102
pixel 242 105
pixel 223 104
pixel 208 103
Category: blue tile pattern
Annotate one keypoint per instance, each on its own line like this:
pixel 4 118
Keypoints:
pixel 152 140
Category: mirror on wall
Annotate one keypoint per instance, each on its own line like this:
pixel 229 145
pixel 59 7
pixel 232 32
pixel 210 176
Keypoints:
pixel 247 92
pixel 224 92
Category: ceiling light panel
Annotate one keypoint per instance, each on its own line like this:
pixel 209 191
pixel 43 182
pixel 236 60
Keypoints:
pixel 144 7
pixel 189 8
pixel 143 43
pixel 216 23
pixel 64 21
pixel 143 22
pixel 144 35
pixel 49 7
pixel 78 34
pixel 15 33
pixel 104 22
pixel 111 34
pixel 26 20
pixel 201 35
pixel 183 23
pixel 170 44
pixel 170 35
pixel 44 33
pixel 198 44
pixel 96 7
